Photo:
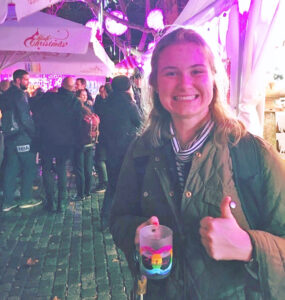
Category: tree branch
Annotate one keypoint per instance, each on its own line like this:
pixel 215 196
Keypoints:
pixel 95 7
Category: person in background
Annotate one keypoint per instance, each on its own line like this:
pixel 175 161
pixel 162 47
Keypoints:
pixel 99 108
pixel 4 86
pixel 80 84
pixel 19 153
pixel 120 124
pixel 34 101
pixel 180 173
pixel 83 151
pixel 59 120
pixel 82 95
pixel 136 80
pixel 100 96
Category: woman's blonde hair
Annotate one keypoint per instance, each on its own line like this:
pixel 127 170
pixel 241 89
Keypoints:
pixel 157 125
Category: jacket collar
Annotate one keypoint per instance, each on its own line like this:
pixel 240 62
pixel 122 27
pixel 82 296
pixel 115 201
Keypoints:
pixel 63 91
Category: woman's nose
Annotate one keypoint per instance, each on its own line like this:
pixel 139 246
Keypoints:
pixel 186 80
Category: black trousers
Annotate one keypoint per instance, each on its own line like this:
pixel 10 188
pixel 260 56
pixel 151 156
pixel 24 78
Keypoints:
pixel 23 163
pixel 82 164
pixel 113 169
pixel 54 170
pixel 100 164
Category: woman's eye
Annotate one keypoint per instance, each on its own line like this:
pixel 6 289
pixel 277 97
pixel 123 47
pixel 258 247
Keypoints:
pixel 172 73
pixel 197 72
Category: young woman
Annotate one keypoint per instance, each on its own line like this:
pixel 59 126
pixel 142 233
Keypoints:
pixel 187 184
pixel 83 152
pixel 82 95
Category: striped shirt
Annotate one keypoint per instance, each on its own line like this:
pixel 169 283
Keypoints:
pixel 183 156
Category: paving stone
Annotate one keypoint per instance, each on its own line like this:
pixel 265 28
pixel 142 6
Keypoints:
pixel 59 291
pixel 88 284
pixel 73 277
pixel 103 295
pixel 91 292
pixel 119 296
pixel 73 291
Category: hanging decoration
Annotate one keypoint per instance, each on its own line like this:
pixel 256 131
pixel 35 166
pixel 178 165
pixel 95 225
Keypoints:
pixel 114 27
pixel 155 19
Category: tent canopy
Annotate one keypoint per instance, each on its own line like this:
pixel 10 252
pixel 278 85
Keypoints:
pixel 47 44
pixel 43 32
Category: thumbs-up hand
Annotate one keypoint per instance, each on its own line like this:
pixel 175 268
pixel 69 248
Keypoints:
pixel 222 237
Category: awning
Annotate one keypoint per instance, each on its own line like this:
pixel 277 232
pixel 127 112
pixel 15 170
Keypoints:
pixel 42 32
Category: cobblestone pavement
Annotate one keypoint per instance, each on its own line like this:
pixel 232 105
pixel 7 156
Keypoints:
pixel 60 255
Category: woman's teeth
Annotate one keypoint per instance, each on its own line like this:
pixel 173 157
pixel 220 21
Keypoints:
pixel 186 98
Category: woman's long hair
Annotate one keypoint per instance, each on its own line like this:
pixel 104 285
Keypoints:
pixel 157 125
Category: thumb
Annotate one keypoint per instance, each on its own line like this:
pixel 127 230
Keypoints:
pixel 225 208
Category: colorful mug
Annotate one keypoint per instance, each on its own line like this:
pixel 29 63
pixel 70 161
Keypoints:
pixel 156 252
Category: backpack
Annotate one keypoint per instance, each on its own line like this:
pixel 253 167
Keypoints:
pixel 10 126
pixel 89 129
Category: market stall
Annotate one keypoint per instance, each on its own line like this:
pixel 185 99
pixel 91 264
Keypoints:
pixel 46 45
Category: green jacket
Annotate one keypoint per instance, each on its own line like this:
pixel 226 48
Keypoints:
pixel 194 274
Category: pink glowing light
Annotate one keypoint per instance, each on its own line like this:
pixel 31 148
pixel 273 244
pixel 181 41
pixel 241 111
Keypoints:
pixel 155 19
pixel 243 5
pixel 150 45
pixel 114 27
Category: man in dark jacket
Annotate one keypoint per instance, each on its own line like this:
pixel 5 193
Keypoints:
pixel 18 144
pixel 59 124
pixel 118 127
pixel 99 107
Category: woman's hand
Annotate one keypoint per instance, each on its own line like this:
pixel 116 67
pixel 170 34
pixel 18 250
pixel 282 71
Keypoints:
pixel 151 221
pixel 222 237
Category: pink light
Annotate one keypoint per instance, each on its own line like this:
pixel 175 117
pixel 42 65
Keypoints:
pixel 114 27
pixel 155 19
pixel 150 45
pixel 243 5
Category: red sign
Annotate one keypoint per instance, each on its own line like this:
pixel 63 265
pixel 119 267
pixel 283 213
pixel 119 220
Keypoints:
pixel 39 41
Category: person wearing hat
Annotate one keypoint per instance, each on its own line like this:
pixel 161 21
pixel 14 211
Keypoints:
pixel 120 125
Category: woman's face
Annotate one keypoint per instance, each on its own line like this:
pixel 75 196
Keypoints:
pixel 103 92
pixel 185 81
pixel 83 96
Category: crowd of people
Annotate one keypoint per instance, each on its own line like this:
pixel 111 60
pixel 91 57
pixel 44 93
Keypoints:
pixel 192 167
pixel 64 124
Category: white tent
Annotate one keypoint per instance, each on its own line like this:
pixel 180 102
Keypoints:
pixel 43 32
pixel 249 41
pixel 42 43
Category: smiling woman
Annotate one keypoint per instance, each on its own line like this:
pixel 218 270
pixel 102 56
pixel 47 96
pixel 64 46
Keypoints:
pixel 181 173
